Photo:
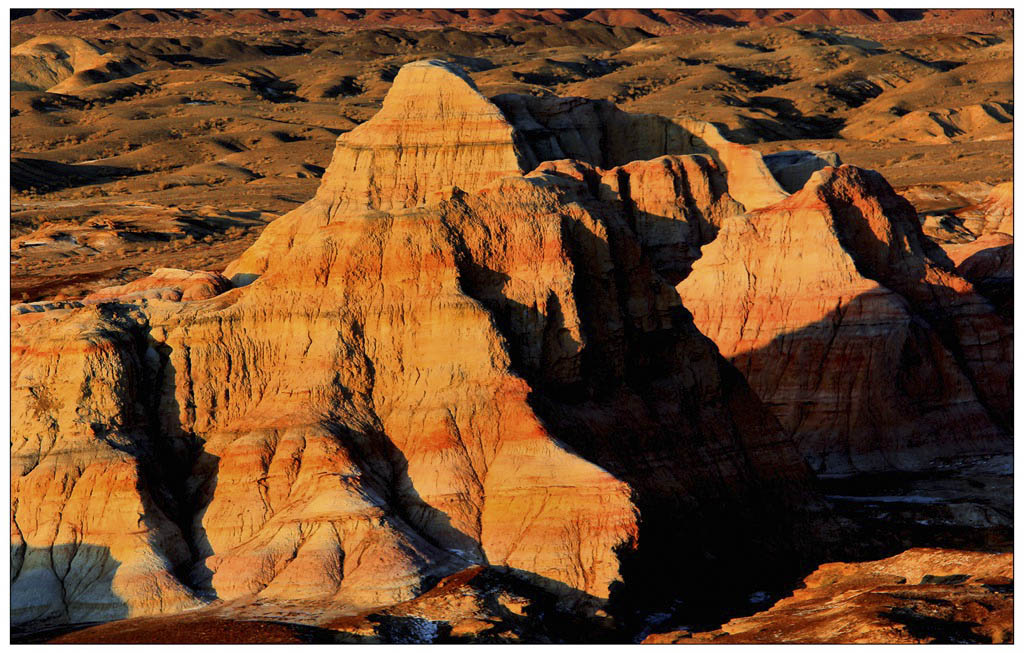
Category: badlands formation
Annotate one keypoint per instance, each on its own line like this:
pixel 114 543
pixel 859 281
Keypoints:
pixel 146 139
pixel 524 369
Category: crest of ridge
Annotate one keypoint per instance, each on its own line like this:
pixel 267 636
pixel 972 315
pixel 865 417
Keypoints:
pixel 435 130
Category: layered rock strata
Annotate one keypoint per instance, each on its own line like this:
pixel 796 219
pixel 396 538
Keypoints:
pixel 466 351
pixel 90 535
pixel 436 134
pixel 870 354
pixel 993 215
pixel 498 377
pixel 987 262
pixel 434 131
pixel 598 133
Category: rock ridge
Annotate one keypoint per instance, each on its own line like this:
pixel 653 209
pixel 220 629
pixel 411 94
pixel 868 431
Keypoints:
pixel 496 346
pixel 407 155
pixel 807 295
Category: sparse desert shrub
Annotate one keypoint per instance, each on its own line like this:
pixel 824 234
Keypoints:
pixel 210 124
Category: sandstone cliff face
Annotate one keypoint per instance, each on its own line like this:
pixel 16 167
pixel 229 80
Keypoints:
pixel 870 355
pixel 425 371
pixel 410 154
pixel 411 380
pixel 467 351
pixel 89 529
pixel 987 262
pixel 993 215
pixel 498 377
pixel 673 204
pixel 598 133
pixel 434 133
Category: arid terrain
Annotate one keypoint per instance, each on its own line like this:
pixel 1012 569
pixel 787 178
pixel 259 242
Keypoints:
pixel 512 326
pixel 147 139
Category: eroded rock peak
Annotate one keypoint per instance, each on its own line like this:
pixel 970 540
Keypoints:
pixel 435 130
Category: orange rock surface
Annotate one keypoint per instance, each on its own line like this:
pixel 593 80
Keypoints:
pixel 434 131
pixel 165 283
pixel 500 377
pixel 466 352
pixel 88 532
pixel 409 153
pixel 870 354
pixel 993 215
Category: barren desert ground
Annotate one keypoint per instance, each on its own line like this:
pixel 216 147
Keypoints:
pixel 487 326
